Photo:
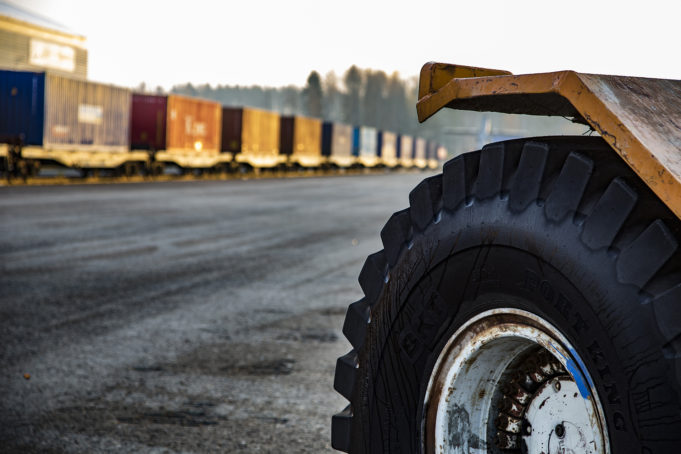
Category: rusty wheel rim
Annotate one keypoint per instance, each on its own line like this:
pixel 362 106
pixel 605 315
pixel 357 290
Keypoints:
pixel 509 382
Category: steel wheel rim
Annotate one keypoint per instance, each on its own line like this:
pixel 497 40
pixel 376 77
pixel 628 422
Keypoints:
pixel 470 405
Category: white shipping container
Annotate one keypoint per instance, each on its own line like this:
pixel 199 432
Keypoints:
pixel 86 115
pixel 367 141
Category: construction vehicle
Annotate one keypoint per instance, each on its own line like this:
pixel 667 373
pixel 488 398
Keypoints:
pixel 529 299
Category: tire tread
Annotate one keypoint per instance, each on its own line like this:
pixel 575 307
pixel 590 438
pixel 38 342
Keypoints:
pixel 609 215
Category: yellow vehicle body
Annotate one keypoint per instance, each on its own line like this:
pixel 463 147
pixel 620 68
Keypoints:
pixel 640 118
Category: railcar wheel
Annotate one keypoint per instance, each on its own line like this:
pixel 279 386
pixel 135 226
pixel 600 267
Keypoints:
pixel 528 301
pixel 157 169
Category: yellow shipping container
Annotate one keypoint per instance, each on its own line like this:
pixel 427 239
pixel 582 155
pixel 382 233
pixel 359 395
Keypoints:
pixel 301 139
pixel 252 135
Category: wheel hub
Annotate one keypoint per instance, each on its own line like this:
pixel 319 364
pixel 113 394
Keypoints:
pixel 558 421
pixel 509 382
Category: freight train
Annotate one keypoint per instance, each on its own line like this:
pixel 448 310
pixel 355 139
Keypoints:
pixel 50 119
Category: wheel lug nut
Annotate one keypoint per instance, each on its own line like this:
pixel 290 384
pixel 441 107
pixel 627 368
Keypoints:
pixel 556 385
pixel 526 427
pixel 560 430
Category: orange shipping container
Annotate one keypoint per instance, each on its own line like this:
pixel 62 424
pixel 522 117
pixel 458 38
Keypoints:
pixel 193 125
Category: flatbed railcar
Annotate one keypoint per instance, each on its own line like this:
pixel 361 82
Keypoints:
pixel 50 119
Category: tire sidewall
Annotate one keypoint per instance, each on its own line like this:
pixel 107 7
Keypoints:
pixel 483 257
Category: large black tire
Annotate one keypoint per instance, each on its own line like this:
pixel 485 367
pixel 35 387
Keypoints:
pixel 562 228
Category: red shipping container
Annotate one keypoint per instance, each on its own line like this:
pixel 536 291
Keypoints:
pixel 148 125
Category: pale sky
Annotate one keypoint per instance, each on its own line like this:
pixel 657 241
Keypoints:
pixel 278 42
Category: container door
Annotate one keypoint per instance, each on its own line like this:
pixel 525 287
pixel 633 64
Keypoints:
pixel 22 106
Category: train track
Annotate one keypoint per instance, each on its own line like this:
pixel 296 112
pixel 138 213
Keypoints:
pixel 194 176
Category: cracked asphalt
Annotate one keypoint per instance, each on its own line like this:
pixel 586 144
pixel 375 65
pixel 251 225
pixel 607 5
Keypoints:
pixel 198 316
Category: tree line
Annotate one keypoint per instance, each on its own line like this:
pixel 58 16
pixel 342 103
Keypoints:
pixel 385 101
pixel 358 97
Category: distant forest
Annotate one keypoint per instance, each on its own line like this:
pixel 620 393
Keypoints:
pixel 385 101
pixel 359 97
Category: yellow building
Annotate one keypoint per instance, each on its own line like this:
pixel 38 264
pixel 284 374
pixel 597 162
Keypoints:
pixel 29 42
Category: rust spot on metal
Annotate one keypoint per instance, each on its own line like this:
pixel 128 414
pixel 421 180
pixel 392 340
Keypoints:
pixel 511 407
pixel 505 440
pixel 508 423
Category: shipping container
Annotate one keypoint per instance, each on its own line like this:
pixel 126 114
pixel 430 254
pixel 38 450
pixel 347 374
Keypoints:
pixel 441 153
pixel 193 124
pixel 22 107
pixel 337 144
pixel 86 114
pixel 148 122
pixel 431 146
pixel 405 148
pixel 252 135
pixel 56 112
pixel 420 153
pixel 301 140
pixel 232 123
pixel 364 145
pixel 387 148
pixel 286 124
pixel 431 154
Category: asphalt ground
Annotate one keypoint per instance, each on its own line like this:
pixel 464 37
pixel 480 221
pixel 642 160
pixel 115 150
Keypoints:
pixel 188 316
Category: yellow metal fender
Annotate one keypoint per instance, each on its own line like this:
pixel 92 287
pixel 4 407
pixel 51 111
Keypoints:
pixel 639 117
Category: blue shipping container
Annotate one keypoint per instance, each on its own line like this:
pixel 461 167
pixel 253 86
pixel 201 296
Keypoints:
pixel 22 107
